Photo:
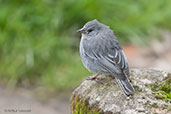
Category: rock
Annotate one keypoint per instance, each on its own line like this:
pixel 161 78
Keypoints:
pixel 103 96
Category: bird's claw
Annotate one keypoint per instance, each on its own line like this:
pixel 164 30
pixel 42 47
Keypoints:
pixel 91 78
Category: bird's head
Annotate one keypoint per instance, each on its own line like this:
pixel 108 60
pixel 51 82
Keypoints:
pixel 92 28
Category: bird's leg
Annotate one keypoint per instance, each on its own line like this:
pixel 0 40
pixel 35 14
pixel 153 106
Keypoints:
pixel 93 77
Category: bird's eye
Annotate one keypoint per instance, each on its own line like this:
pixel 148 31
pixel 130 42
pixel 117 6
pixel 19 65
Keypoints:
pixel 89 30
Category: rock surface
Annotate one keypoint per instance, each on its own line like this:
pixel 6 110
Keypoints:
pixel 103 95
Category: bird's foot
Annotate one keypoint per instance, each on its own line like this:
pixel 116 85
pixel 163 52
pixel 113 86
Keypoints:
pixel 92 77
pixel 95 78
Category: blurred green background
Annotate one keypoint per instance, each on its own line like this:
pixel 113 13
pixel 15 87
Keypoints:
pixel 39 43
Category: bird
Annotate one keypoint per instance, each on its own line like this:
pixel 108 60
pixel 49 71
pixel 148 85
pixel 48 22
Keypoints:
pixel 101 53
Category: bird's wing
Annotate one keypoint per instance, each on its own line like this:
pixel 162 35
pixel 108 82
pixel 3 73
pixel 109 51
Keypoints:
pixel 108 54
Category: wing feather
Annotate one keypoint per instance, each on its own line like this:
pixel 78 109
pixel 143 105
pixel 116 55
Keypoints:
pixel 108 54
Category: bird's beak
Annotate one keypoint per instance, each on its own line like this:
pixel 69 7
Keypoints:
pixel 81 30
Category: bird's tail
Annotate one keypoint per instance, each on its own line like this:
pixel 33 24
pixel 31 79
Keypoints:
pixel 126 87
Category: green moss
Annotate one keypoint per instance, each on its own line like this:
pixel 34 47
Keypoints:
pixel 163 90
pixel 79 106
pixel 137 89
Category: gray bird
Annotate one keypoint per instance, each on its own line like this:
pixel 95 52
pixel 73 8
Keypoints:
pixel 101 53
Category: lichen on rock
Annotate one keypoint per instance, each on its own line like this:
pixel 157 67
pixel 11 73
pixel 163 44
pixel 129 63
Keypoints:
pixel 103 96
pixel 162 90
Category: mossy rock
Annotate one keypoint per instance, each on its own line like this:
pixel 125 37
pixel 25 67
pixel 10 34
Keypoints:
pixel 103 96
pixel 162 90
pixel 80 106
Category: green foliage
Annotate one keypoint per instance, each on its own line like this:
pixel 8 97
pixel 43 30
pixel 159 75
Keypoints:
pixel 39 45
pixel 163 91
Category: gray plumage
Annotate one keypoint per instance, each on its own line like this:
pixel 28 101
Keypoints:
pixel 101 53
